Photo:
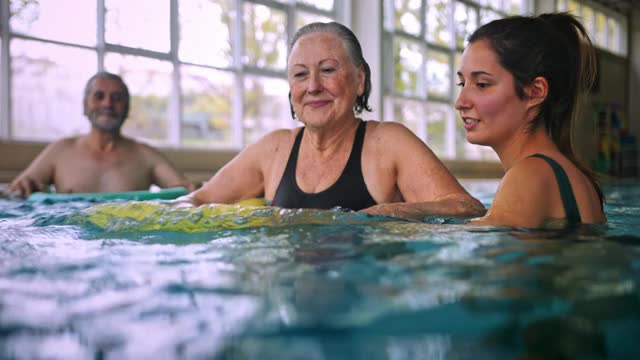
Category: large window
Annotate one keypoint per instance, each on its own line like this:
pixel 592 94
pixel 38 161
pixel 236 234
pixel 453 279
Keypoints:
pixel 201 73
pixel 211 73
pixel 427 38
pixel 607 29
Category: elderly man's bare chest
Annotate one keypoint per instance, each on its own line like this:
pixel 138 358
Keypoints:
pixel 85 171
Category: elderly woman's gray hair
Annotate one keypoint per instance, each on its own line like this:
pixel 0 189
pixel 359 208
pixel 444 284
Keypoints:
pixel 353 49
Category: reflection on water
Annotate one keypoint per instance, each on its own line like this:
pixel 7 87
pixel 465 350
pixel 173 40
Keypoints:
pixel 327 289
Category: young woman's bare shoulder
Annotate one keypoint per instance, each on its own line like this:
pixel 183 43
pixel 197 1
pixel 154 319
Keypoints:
pixel 530 173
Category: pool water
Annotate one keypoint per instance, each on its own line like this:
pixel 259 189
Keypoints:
pixel 366 288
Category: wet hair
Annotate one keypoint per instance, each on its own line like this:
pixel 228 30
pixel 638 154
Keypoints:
pixel 554 46
pixel 106 75
pixel 353 49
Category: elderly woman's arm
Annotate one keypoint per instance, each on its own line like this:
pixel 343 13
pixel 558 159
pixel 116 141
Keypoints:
pixel 241 178
pixel 464 206
pixel 425 184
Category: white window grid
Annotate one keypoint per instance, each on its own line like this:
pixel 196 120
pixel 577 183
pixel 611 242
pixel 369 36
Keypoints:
pixel 613 37
pixel 452 145
pixel 340 12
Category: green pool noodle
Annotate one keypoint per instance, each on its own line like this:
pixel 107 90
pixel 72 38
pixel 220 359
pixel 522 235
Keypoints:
pixel 162 194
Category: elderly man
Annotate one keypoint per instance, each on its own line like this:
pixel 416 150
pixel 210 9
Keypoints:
pixel 102 160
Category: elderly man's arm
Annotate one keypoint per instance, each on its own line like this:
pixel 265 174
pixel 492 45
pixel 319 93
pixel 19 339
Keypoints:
pixel 164 173
pixel 39 173
pixel 426 185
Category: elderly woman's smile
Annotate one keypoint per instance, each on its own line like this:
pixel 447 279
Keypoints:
pixel 323 77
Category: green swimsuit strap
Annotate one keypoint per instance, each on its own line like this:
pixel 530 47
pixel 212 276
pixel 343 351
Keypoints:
pixel 566 192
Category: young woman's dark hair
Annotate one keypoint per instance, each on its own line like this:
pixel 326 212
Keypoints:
pixel 556 47
pixel 353 49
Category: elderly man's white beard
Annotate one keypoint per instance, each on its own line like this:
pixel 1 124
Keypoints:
pixel 113 125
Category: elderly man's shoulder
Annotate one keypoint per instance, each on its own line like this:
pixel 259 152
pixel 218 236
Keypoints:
pixel 141 147
pixel 145 154
pixel 67 143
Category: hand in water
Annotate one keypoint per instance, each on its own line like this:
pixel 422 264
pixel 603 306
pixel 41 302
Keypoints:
pixel 184 201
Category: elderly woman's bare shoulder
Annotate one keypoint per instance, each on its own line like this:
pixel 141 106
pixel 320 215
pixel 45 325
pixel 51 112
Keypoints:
pixel 388 131
pixel 276 140
pixel 280 135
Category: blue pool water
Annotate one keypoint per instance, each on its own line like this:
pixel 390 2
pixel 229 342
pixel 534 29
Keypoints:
pixel 328 290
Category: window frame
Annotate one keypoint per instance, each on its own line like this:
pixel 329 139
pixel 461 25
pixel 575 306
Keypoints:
pixel 452 50
pixel 236 68
pixel 609 15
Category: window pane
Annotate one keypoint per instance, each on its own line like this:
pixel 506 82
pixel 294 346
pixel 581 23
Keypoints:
pixel 573 6
pixel 438 74
pixel 466 21
pixel 514 7
pixel 199 18
pixel 408 112
pixel 265 37
pixel 303 18
pixel 561 5
pixel 408 57
pixel 476 152
pixel 141 24
pixel 47 87
pixel 587 19
pixel 149 83
pixel 600 31
pixel 613 33
pixel 438 29
pixel 499 5
pixel 326 5
pixel 206 107
pixel 437 117
pixel 487 16
pixel 407 16
pixel 457 61
pixel 266 107
pixel 43 19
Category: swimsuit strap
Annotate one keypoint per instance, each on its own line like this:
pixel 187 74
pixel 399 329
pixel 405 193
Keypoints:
pixel 566 192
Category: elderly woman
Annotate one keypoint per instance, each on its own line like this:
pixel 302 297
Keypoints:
pixel 336 158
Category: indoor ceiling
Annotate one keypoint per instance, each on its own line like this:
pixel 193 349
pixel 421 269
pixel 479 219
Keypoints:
pixel 622 6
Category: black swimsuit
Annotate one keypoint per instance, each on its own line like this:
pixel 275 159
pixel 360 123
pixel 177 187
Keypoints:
pixel 349 191
pixel 566 192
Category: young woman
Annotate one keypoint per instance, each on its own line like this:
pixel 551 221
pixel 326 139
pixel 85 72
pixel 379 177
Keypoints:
pixel 521 79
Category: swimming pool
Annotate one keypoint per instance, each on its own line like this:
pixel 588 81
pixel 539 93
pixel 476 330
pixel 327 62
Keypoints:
pixel 376 290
